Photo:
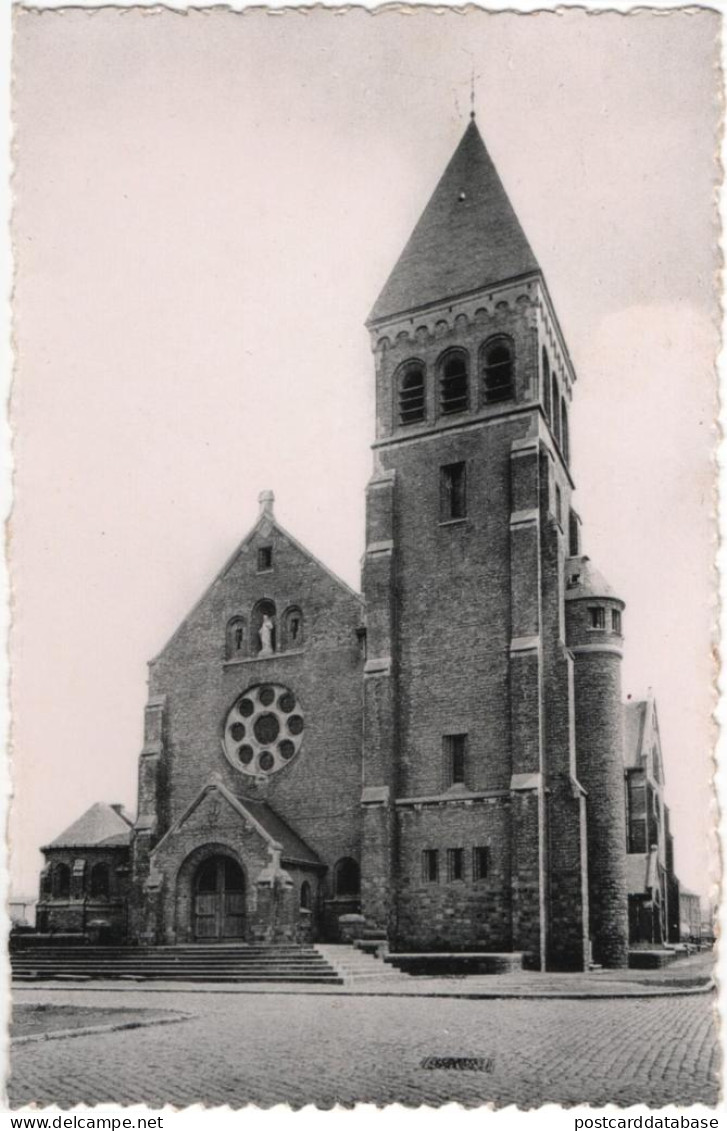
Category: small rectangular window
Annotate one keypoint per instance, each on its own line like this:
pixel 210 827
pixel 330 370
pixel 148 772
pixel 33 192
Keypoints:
pixel 597 617
pixel 558 504
pixel 265 558
pixel 455 758
pixel 455 864
pixel 616 621
pixel 453 491
pixel 430 866
pixel 480 862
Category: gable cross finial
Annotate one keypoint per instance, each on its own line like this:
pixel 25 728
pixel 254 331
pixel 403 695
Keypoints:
pixel 472 94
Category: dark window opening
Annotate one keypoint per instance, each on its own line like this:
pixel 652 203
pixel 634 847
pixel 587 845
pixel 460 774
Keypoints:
pixel 564 435
pixel 305 896
pixel 453 491
pixel 554 405
pixel 61 881
pixel 347 878
pixel 264 558
pixel 558 504
pixel 616 621
pixel 498 374
pixel 636 797
pixel 412 407
pixel 99 882
pixel 292 629
pixel 455 864
pixel 597 617
pixel 455 755
pixel 574 535
pixel 546 383
pixel 454 385
pixel 235 637
pixel 480 862
pixel 430 866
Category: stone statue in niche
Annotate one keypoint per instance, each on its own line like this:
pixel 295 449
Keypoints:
pixel 266 636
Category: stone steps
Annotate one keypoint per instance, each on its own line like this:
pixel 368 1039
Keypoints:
pixel 354 965
pixel 202 963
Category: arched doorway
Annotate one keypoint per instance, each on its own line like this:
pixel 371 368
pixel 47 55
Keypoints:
pixel 219 900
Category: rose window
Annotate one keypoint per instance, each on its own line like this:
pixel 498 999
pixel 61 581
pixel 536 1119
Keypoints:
pixel 263 730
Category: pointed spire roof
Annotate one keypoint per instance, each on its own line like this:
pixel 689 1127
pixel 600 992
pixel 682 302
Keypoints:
pixel 468 236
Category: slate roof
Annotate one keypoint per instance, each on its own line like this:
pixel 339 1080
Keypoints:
pixel 582 579
pixel 294 847
pixel 101 826
pixel 634 719
pixel 467 238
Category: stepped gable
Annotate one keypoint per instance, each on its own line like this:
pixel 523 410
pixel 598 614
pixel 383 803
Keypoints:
pixel 101 826
pixel 467 238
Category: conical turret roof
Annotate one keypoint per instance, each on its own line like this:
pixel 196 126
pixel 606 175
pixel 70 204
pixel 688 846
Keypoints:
pixel 468 236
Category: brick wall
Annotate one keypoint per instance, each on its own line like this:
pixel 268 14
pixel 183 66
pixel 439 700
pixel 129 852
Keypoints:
pixel 318 792
pixel 465 914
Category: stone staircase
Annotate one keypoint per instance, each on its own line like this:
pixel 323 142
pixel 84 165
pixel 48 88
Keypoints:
pixel 354 965
pixel 193 963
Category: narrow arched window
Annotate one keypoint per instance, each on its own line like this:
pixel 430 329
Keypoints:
pixel 555 409
pixel 564 436
pixel 99 882
pixel 546 383
pixel 305 896
pixel 347 878
pixel 292 629
pixel 453 384
pixel 498 372
pixel 412 397
pixel 61 881
pixel 235 637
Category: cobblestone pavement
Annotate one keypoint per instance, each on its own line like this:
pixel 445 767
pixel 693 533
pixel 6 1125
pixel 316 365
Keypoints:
pixel 240 1049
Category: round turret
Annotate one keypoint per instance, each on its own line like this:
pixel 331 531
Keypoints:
pixel 594 634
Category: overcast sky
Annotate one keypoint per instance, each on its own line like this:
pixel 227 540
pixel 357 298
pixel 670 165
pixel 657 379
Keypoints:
pixel 206 208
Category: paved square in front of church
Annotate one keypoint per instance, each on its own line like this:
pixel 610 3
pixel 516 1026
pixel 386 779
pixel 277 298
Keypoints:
pixel 299 1049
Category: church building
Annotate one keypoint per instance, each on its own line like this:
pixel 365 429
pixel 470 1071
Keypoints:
pixel 439 760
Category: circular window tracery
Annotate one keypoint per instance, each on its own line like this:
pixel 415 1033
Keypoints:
pixel 263 730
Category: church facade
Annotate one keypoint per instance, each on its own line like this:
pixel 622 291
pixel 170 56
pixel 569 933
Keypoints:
pixel 440 760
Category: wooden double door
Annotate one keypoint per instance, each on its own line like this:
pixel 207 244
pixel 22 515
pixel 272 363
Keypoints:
pixel 219 900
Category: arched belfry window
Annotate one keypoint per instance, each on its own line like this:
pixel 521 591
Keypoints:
pixel 412 393
pixel 263 629
pixel 564 437
pixel 498 379
pixel 292 629
pixel 235 645
pixel 453 383
pixel 347 878
pixel 546 383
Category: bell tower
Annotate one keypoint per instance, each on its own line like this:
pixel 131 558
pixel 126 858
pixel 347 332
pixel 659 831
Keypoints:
pixel 473 818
